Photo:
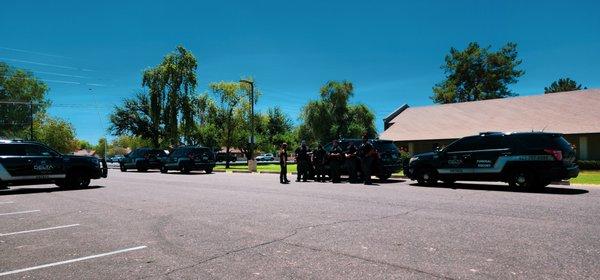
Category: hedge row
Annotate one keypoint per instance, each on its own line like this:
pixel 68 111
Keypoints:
pixel 589 164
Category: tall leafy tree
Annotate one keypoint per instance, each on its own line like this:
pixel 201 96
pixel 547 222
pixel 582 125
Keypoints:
pixel 56 133
pixel 332 117
pixel 477 73
pixel 133 117
pixel 562 85
pixel 165 113
pixel 17 85
pixel 277 127
pixel 229 102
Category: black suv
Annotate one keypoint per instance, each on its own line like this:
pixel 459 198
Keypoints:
pixel 188 158
pixel 30 163
pixel 529 160
pixel 388 160
pixel 143 159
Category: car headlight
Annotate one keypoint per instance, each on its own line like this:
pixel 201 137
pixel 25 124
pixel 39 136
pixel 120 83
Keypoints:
pixel 412 159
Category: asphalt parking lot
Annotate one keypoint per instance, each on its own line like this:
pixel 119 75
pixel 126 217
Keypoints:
pixel 247 226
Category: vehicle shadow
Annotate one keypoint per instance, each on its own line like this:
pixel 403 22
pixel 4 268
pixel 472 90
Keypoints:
pixel 503 188
pixel 189 174
pixel 32 190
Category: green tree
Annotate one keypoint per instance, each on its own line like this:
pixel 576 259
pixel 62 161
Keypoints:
pixel 82 144
pixel 102 147
pixel 477 73
pixel 17 85
pixel 57 134
pixel 133 118
pixel 332 117
pixel 562 85
pixel 165 113
pixel 229 101
pixel 278 127
pixel 129 142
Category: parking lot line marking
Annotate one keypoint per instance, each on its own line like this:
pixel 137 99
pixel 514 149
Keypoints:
pixel 70 261
pixel 36 230
pixel 6 202
pixel 20 212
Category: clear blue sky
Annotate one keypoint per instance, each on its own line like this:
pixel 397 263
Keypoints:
pixel 92 54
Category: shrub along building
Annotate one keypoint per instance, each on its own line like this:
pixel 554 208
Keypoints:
pixel 575 114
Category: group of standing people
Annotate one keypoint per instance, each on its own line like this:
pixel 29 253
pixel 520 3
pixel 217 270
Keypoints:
pixel 357 160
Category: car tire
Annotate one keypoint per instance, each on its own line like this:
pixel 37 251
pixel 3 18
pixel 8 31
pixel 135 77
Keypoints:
pixel 384 177
pixel 184 168
pixel 208 170
pixel 427 176
pixel 123 168
pixel 524 180
pixel 74 181
pixel 449 182
pixel 164 170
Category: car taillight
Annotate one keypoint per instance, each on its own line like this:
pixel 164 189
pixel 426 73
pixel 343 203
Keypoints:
pixel 557 154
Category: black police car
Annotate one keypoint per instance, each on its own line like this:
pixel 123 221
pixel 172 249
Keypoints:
pixel 529 160
pixel 387 162
pixel 143 159
pixel 30 163
pixel 188 158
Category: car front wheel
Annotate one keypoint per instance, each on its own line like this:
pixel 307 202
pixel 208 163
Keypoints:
pixel 427 176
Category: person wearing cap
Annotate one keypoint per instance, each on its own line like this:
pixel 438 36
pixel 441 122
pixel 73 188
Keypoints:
pixel 283 157
pixel 319 156
pixel 366 152
pixel 336 157
pixel 302 158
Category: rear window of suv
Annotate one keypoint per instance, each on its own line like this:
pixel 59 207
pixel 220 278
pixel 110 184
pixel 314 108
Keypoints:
pixel 543 141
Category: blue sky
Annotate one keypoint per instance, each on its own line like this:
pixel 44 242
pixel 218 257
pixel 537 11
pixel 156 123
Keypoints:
pixel 91 54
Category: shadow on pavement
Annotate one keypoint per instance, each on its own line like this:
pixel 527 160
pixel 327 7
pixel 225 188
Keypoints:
pixel 504 188
pixel 189 174
pixel 31 190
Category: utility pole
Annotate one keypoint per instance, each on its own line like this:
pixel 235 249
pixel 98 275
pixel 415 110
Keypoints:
pixel 31 120
pixel 251 166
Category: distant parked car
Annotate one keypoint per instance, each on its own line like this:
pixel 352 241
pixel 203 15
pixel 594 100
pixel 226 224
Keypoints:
pixel 188 158
pixel 220 156
pixel 265 157
pixel 143 159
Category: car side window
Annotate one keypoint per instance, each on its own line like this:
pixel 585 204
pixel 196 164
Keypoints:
pixel 12 150
pixel 492 142
pixel 37 151
pixel 464 144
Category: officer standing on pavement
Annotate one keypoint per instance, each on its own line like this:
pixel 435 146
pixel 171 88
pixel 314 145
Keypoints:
pixel 335 160
pixel 352 163
pixel 283 157
pixel 366 151
pixel 319 156
pixel 302 158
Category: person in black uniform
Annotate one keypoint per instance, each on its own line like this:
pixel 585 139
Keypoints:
pixel 283 157
pixel 319 156
pixel 366 151
pixel 302 158
pixel 352 163
pixel 335 160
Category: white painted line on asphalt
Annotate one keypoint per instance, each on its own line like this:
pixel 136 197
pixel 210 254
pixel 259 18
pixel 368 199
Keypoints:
pixel 20 212
pixel 36 230
pixel 6 202
pixel 70 261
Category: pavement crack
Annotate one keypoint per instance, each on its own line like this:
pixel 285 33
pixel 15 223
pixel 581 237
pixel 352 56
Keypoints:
pixel 379 262
pixel 295 231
